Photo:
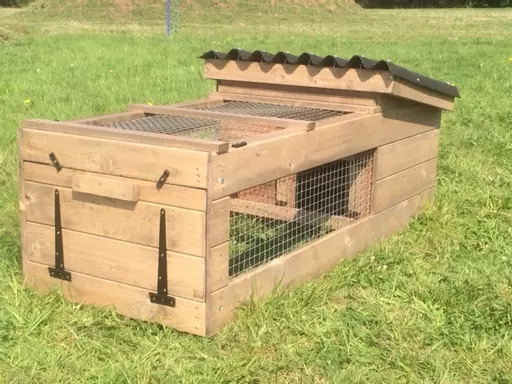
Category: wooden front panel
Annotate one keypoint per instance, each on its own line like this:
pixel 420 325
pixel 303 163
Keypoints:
pixel 116 157
pixel 174 195
pixel 122 220
pixel 186 316
pixel 117 261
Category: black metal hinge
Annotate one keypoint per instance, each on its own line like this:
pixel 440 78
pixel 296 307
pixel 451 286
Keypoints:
pixel 58 271
pixel 161 296
pixel 239 145
pixel 161 181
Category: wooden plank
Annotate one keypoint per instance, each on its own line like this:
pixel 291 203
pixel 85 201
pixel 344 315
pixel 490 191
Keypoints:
pixel 187 316
pixel 300 216
pixel 218 221
pixel 423 95
pixel 154 139
pixel 299 94
pixel 299 75
pixel 217 245
pixel 297 103
pixel 174 195
pixel 277 157
pixel 217 266
pixel 311 260
pixel 105 186
pixel 109 119
pixel 247 119
pixel 21 200
pixel 119 158
pixel 400 155
pixel 400 186
pixel 118 261
pixel 116 219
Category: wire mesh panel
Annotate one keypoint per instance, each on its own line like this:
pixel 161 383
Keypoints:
pixel 219 129
pixel 198 128
pixel 272 219
pixel 172 125
pixel 273 110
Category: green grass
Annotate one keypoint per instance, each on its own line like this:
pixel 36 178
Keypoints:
pixel 432 304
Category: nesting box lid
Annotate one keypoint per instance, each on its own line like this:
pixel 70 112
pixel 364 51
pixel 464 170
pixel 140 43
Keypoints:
pixel 356 74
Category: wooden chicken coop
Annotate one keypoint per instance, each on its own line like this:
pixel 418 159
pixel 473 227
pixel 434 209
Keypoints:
pixel 177 214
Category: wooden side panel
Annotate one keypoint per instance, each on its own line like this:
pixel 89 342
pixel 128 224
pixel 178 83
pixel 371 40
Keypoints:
pixel 118 261
pixel 400 155
pixel 174 195
pixel 299 75
pixel 280 156
pixel 120 158
pixel 187 316
pixel 122 220
pixel 298 94
pixel 311 260
pixel 401 186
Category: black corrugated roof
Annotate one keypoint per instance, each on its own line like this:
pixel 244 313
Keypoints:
pixel 359 62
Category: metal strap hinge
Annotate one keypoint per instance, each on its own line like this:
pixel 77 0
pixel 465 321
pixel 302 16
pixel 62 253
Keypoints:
pixel 161 296
pixel 59 272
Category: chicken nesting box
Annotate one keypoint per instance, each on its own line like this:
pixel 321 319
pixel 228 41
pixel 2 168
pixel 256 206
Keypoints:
pixel 177 214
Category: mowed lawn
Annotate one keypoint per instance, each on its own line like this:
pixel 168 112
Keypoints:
pixel 431 304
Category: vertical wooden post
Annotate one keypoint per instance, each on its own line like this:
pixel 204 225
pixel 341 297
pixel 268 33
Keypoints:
pixel 21 186
pixel 217 252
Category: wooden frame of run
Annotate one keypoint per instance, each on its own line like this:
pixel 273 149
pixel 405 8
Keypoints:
pixel 115 185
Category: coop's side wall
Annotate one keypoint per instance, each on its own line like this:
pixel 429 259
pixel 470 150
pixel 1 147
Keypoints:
pixel 280 156
pixel 110 210
pixel 403 169
pixel 406 143
pixel 311 260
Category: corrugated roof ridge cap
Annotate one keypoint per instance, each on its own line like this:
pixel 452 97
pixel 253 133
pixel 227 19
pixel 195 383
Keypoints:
pixel 356 61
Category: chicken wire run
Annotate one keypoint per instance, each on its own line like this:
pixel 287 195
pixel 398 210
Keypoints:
pixel 270 220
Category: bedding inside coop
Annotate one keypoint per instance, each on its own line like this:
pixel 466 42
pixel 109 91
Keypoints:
pixel 220 129
pixel 270 220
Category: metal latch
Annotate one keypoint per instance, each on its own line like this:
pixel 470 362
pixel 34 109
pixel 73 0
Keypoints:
pixel 162 179
pixel 55 161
